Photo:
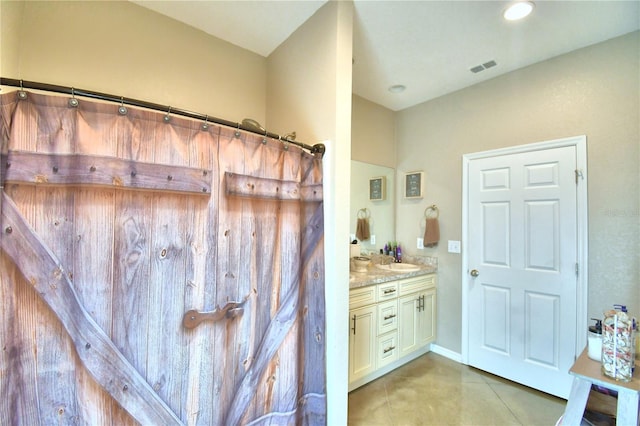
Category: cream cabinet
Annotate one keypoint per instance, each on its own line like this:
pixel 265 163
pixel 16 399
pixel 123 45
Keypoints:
pixel 389 324
pixel 417 320
pixel 362 341
pixel 363 326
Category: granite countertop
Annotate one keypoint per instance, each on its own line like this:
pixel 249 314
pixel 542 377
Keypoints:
pixel 375 275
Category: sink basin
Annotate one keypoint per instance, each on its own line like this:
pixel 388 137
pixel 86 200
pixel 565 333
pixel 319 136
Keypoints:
pixel 399 267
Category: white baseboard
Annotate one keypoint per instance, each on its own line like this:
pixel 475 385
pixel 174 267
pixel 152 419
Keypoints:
pixel 447 353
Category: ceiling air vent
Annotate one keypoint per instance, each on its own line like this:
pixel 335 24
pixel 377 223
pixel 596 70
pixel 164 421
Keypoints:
pixel 483 67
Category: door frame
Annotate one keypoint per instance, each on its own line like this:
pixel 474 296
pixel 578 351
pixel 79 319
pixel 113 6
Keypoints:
pixel 582 284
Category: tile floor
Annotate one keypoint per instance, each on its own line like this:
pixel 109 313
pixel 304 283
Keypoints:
pixel 434 390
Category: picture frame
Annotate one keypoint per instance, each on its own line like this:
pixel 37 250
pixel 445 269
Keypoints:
pixel 413 185
pixel 377 188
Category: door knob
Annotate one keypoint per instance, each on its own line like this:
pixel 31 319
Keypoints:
pixel 474 273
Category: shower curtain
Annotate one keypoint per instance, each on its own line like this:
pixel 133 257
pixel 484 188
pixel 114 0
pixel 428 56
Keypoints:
pixel 156 270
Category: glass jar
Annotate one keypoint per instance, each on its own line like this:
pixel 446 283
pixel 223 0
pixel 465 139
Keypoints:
pixel 618 351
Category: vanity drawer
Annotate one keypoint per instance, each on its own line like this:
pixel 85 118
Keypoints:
pixel 411 285
pixel 387 291
pixel 387 316
pixel 387 349
pixel 362 296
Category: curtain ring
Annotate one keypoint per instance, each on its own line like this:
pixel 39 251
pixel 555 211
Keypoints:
pixel 205 125
pixel 167 118
pixel 122 110
pixel 73 102
pixel 21 93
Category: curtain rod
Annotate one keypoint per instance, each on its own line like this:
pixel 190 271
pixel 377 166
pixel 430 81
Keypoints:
pixel 315 149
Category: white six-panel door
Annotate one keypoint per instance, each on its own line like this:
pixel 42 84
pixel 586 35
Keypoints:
pixel 522 257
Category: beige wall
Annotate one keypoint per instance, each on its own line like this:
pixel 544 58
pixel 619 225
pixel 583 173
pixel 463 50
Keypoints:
pixel 593 91
pixel 373 133
pixel 10 19
pixel 309 87
pixel 121 48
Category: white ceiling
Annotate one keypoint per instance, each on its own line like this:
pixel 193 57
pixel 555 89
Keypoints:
pixel 428 46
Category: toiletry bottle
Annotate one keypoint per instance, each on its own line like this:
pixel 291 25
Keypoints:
pixel 595 340
pixel 399 254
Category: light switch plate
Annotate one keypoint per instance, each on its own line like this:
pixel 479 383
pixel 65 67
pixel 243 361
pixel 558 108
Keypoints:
pixel 420 243
pixel 454 246
pixel 372 239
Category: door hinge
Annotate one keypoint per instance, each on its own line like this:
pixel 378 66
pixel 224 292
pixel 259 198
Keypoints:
pixel 577 269
pixel 579 175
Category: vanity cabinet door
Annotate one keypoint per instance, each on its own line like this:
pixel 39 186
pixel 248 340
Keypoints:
pixel 417 320
pixel 363 325
pixel 426 321
pixel 408 323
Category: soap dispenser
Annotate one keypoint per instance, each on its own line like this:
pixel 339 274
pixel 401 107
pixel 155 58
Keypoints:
pixel 595 340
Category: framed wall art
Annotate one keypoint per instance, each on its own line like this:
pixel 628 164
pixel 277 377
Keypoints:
pixel 413 185
pixel 377 188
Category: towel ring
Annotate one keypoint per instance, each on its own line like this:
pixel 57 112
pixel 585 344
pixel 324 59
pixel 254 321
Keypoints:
pixel 432 212
pixel 364 213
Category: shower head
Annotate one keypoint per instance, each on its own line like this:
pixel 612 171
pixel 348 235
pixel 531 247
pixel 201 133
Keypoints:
pixel 251 123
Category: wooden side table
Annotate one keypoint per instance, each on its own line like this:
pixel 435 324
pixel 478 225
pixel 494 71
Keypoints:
pixel 587 372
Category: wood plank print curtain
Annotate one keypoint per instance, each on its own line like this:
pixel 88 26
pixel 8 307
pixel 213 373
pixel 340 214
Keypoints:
pixel 156 270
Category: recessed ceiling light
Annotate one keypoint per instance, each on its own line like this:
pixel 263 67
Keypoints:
pixel 397 88
pixel 518 10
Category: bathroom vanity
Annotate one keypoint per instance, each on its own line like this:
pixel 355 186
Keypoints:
pixel 392 319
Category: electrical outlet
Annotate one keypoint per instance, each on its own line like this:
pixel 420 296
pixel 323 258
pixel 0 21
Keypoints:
pixel 454 246
pixel 420 243
pixel 372 239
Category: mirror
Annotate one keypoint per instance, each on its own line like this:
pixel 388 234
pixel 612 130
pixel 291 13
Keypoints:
pixel 372 188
